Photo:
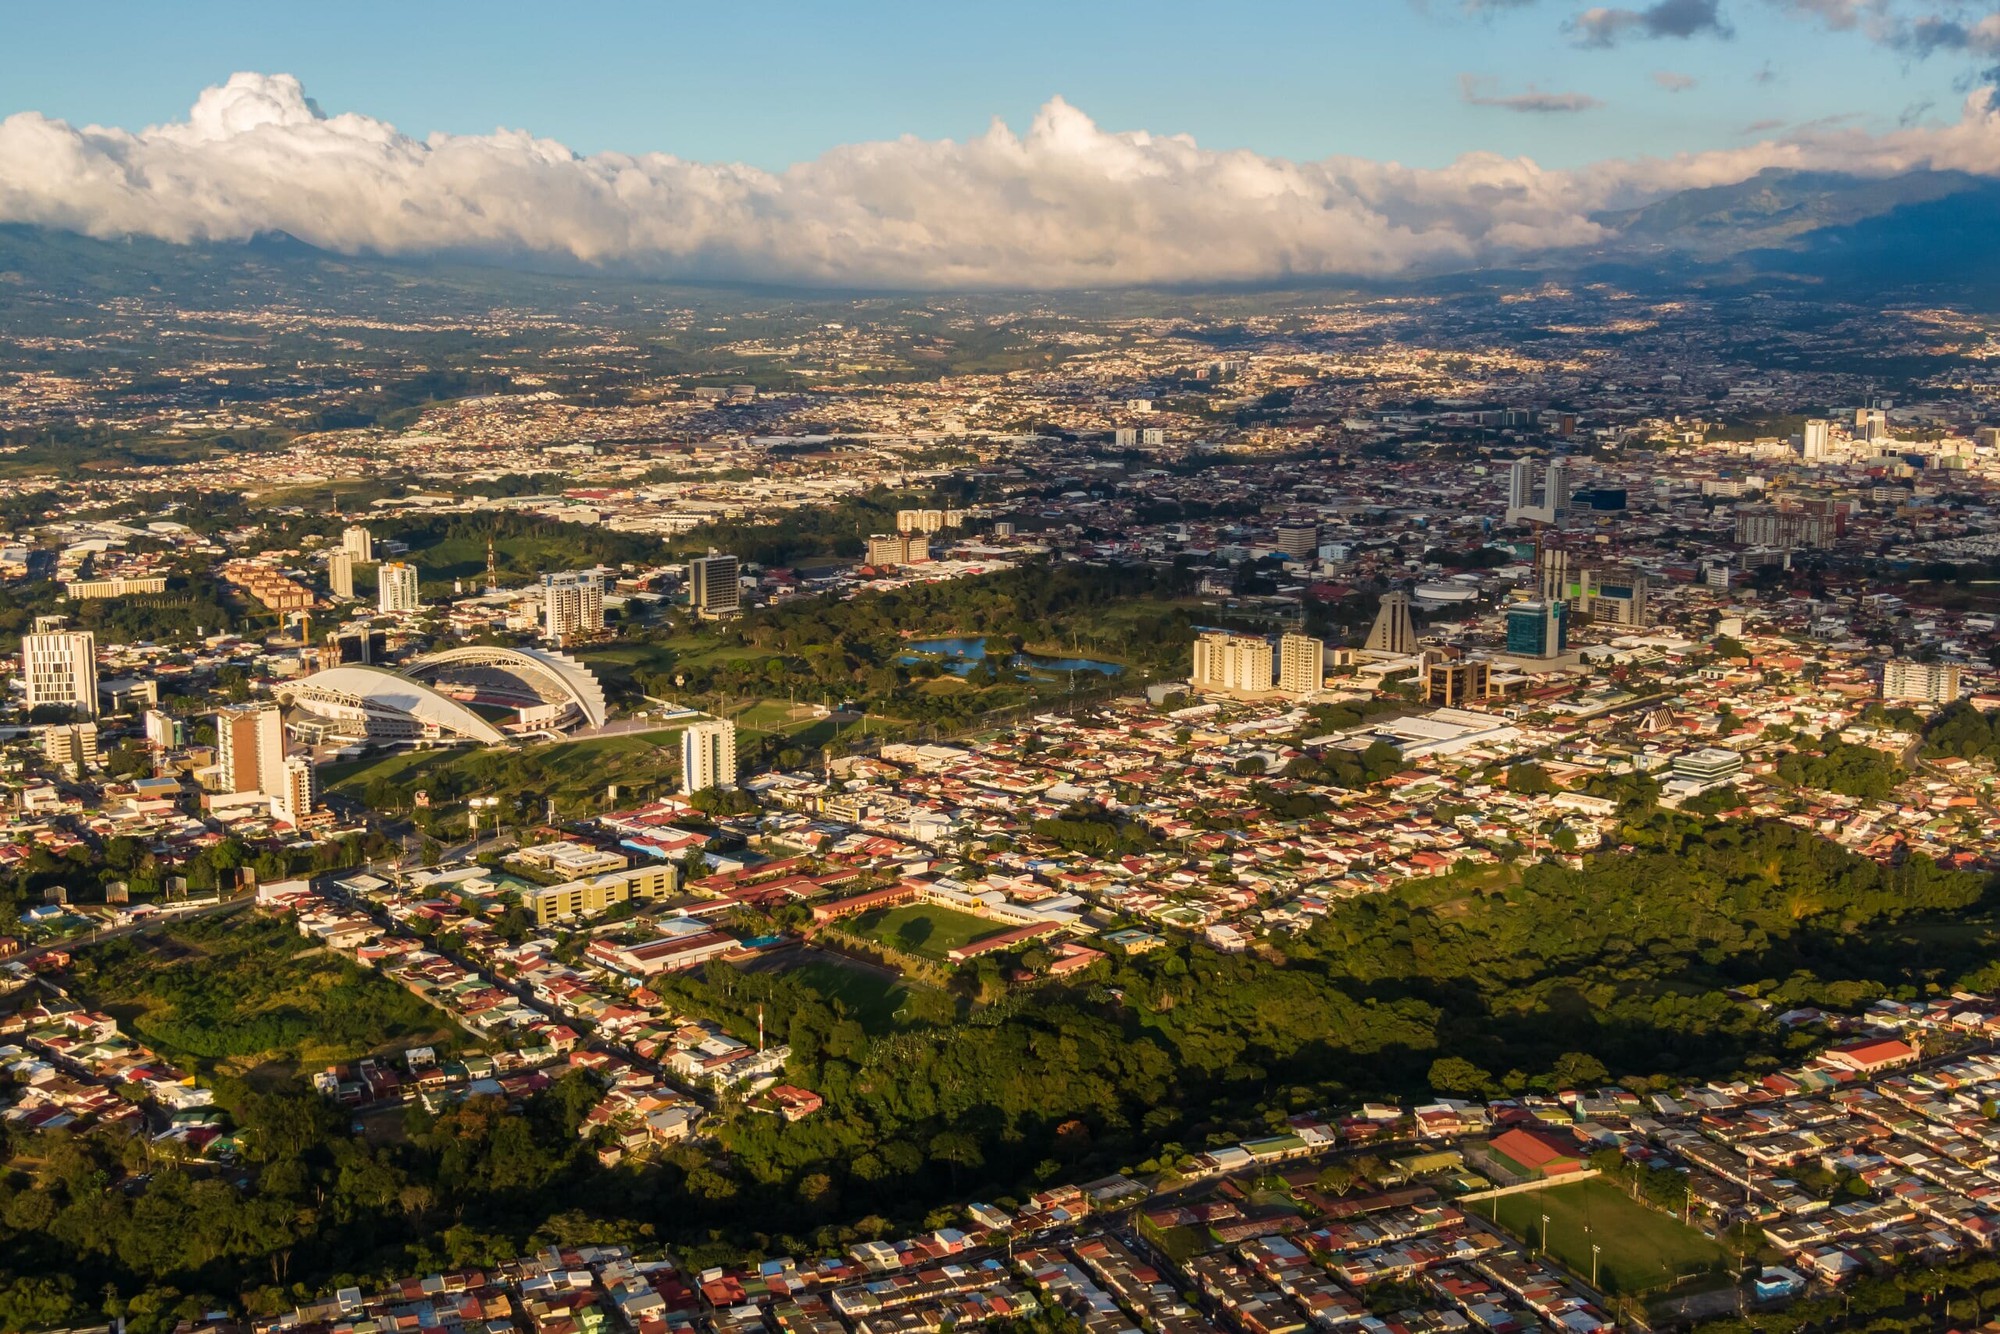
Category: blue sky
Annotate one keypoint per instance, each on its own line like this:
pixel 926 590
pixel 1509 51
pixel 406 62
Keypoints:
pixel 774 83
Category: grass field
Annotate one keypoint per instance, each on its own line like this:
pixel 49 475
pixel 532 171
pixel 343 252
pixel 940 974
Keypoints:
pixel 249 996
pixel 642 764
pixel 924 929
pixel 1641 1247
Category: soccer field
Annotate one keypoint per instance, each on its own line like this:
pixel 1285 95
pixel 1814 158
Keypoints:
pixel 925 928
pixel 1640 1248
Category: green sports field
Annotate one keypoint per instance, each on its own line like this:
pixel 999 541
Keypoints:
pixel 924 928
pixel 1641 1248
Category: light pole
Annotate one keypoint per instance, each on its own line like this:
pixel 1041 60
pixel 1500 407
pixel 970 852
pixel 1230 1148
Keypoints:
pixel 1545 1234
pixel 474 806
pixel 1593 1264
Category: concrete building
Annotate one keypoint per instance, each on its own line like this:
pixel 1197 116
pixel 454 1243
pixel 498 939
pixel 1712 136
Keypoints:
pixel 250 751
pixel 1393 632
pixel 594 894
pixel 572 606
pixel 1523 505
pixel 359 543
pixel 340 572
pixel 1237 664
pixel 1708 765
pixel 1449 684
pixel 301 796
pixel 928 522
pixel 1818 438
pixel 708 755
pixel 60 668
pixel 1920 682
pixel 164 731
pixel 889 550
pixel 1301 663
pixel 68 745
pixel 1299 541
pixel 714 587
pixel 117 586
pixel 396 588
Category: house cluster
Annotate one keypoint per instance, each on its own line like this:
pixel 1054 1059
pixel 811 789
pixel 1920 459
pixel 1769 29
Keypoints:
pixel 69 1068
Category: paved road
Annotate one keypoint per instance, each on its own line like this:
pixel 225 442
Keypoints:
pixel 130 928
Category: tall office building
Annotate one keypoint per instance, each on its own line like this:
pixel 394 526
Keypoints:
pixel 1237 663
pixel 359 543
pixel 1522 503
pixel 1922 682
pixel 1393 631
pixel 713 585
pixel 1538 629
pixel 1552 574
pixel 1299 541
pixel 60 667
pixel 572 605
pixel 1301 664
pixel 301 794
pixel 1614 597
pixel 1817 439
pixel 1520 485
pixel 708 755
pixel 1449 684
pixel 396 587
pixel 250 750
pixel 340 572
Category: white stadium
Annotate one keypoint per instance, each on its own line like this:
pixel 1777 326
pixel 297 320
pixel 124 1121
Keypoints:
pixel 462 694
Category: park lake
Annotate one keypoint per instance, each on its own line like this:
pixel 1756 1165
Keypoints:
pixel 959 656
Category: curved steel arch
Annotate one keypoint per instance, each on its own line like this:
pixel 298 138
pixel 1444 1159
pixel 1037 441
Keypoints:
pixel 570 679
pixel 379 689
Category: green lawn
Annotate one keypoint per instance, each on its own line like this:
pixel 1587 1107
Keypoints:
pixel 925 929
pixel 1641 1247
pixel 641 763
pixel 248 995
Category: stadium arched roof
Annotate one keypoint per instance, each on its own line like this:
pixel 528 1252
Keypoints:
pixel 380 693
pixel 551 677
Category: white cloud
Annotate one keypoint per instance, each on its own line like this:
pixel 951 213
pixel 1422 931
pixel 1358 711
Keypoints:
pixel 1066 204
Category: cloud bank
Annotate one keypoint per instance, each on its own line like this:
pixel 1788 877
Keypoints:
pixel 1064 205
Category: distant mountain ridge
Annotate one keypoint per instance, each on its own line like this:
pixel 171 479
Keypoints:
pixel 1777 209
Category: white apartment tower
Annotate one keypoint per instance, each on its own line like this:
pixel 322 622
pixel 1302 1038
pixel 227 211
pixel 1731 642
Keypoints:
pixel 340 572
pixel 1922 682
pixel 396 587
pixel 1301 665
pixel 60 667
pixel 1521 501
pixel 359 543
pixel 1240 664
pixel 708 755
pixel 1520 485
pixel 572 605
pixel 1818 436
